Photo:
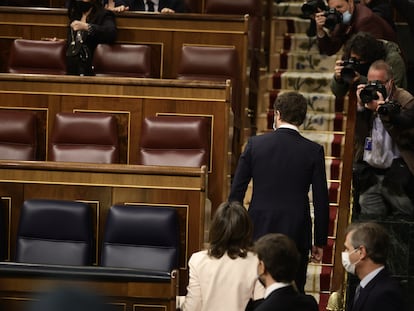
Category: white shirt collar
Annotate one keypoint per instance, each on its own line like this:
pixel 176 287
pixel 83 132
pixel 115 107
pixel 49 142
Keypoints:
pixel 364 282
pixel 274 287
pixel 289 126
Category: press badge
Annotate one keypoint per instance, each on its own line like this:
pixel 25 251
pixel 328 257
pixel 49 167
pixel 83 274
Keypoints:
pixel 368 144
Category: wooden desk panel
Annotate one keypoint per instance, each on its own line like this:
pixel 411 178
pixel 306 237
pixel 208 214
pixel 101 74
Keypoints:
pixel 169 31
pixel 103 185
pixel 130 100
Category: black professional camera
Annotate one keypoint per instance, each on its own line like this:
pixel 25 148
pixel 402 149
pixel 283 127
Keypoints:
pixel 333 17
pixel 313 6
pixel 389 107
pixel 369 93
pixel 350 66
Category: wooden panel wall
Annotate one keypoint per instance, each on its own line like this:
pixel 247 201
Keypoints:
pixel 130 100
pixel 166 33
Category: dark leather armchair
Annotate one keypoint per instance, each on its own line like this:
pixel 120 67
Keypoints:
pixel 141 237
pixel 175 141
pixel 18 140
pixel 126 60
pixel 84 137
pixel 55 232
pixel 37 57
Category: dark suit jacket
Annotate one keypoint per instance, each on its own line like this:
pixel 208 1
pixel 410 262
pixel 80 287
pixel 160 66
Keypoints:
pixel 139 5
pixel 382 293
pixel 287 299
pixel 283 165
pixel 363 19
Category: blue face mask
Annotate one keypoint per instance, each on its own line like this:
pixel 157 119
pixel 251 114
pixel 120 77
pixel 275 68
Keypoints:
pixel 346 17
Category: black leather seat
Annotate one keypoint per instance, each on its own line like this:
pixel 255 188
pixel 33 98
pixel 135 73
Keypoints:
pixel 55 232
pixel 141 237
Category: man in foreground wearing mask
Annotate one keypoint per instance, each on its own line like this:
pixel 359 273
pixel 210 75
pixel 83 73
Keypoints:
pixel 278 262
pixel 356 17
pixel 365 255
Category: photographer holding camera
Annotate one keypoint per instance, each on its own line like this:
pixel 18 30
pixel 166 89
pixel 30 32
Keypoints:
pixel 356 17
pixel 385 120
pixel 361 50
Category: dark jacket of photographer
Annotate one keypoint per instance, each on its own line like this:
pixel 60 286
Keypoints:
pixel 399 125
pixel 393 58
pixel 102 30
pixel 363 19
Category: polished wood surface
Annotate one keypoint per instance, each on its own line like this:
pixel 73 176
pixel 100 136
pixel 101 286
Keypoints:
pixel 165 33
pixel 101 186
pixel 130 100
pixel 19 290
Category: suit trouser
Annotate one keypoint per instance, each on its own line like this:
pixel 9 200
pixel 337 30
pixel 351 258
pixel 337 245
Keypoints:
pixel 300 279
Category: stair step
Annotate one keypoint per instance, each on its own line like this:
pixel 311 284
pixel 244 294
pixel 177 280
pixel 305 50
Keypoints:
pixel 303 61
pixel 295 42
pixel 310 82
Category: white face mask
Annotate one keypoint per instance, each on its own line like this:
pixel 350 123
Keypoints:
pixel 346 17
pixel 346 262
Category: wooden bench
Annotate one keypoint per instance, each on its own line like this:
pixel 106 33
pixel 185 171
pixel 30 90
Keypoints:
pixel 130 100
pixel 123 289
pixel 103 185
pixel 165 33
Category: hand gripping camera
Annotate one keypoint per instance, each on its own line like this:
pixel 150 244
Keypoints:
pixel 369 93
pixel 333 17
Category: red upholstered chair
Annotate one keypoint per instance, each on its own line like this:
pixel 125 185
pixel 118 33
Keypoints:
pixel 254 9
pixel 37 57
pixel 175 141
pixel 126 60
pixel 212 63
pixel 84 137
pixel 18 139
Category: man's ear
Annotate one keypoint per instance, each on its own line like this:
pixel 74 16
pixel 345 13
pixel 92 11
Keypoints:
pixel 261 269
pixel 363 252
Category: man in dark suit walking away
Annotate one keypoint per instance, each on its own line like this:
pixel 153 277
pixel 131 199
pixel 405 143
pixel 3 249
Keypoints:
pixel 283 165
pixel 366 249
pixel 278 262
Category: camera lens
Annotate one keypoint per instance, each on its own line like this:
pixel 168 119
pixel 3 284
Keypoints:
pixel 348 74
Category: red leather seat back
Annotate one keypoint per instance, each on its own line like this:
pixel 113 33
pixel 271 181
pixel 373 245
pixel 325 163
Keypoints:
pixel 85 137
pixel 212 63
pixel 175 141
pixel 37 57
pixel 127 60
pixel 18 140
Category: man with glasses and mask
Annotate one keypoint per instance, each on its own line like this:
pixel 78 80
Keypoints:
pixel 385 133
pixel 365 255
pixel 356 17
pixel 359 53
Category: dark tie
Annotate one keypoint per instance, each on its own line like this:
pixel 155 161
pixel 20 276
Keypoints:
pixel 357 294
pixel 150 5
